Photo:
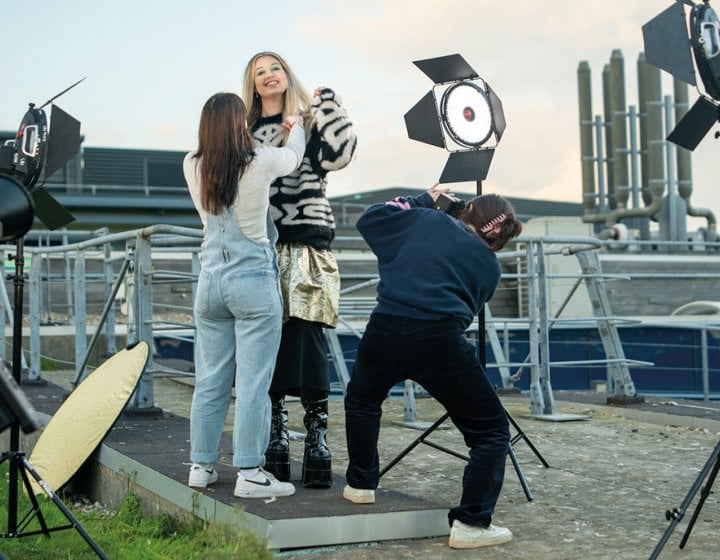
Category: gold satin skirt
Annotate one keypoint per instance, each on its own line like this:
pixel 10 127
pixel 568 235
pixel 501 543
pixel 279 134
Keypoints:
pixel 309 282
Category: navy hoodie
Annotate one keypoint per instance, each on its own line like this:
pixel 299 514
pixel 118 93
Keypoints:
pixel 431 265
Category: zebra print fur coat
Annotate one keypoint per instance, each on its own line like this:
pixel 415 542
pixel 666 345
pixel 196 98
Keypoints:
pixel 299 204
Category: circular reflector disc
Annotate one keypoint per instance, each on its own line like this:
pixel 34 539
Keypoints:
pixel 86 416
pixel 465 113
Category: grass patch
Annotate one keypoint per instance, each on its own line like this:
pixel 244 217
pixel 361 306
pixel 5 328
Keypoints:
pixel 122 535
pixel 50 364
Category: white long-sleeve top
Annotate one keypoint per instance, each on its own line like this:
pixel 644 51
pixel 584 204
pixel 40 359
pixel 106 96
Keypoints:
pixel 253 196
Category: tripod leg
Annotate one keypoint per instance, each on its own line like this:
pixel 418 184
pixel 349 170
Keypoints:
pixel 677 514
pixel 15 528
pixel 69 516
pixel 420 439
pixel 521 435
pixel 35 506
pixel 704 493
pixel 521 475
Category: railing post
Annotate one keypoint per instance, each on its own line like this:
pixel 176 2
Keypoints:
pixel 80 314
pixel 35 291
pixel 537 404
pixel 68 288
pixel 544 334
pixel 140 318
pixel 409 405
pixel 45 302
pixel 108 277
pixel 705 368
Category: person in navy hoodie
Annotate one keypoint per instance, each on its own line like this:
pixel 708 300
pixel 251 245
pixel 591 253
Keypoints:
pixel 436 274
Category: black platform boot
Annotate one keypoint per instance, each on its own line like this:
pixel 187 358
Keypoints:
pixel 317 466
pixel 277 455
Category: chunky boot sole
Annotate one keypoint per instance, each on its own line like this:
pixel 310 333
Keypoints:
pixel 278 463
pixel 317 472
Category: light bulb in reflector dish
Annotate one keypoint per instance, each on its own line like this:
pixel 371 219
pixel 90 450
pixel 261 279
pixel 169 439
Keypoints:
pixel 466 115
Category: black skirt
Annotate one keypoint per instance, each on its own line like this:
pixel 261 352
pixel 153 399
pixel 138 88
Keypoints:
pixel 302 361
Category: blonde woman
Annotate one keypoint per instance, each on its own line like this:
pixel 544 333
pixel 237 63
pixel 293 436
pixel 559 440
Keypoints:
pixel 309 275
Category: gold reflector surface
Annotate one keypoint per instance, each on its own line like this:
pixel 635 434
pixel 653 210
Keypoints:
pixel 85 418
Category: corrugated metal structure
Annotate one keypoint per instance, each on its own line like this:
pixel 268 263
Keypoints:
pixel 123 167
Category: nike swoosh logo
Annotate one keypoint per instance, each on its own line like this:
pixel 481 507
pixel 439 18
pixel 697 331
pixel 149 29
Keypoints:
pixel 266 483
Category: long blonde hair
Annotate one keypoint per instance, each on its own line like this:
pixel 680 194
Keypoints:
pixel 296 101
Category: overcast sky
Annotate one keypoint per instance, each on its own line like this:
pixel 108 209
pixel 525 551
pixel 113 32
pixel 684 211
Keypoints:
pixel 151 64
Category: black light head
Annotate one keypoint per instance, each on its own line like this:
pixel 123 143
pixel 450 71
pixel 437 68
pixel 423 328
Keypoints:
pixel 38 147
pixel 671 47
pixel 467 117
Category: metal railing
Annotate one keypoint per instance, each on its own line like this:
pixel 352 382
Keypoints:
pixel 131 278
pixel 135 276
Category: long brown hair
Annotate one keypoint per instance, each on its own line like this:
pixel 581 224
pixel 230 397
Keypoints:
pixel 493 218
pixel 296 101
pixel 225 148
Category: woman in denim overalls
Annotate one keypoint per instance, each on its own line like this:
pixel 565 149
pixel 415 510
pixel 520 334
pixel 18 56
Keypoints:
pixel 238 306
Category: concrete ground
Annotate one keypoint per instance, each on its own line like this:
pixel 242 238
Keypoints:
pixel 611 478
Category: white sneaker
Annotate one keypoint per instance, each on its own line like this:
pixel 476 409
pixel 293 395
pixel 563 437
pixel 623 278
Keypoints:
pixel 262 485
pixel 470 536
pixel 200 477
pixel 358 495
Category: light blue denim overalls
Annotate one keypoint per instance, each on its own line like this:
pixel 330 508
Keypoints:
pixel 238 317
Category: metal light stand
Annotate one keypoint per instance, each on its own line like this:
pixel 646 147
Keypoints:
pixel 712 466
pixel 422 438
pixel 17 461
pixel 520 433
pixel 513 457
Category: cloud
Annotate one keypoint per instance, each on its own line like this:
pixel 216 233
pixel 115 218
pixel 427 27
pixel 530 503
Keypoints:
pixel 529 54
pixel 151 66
